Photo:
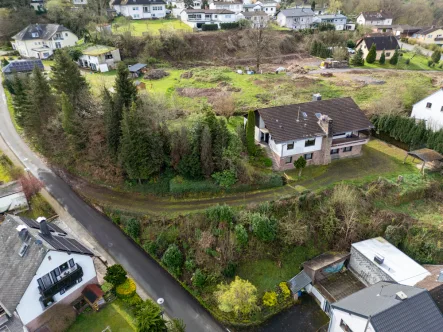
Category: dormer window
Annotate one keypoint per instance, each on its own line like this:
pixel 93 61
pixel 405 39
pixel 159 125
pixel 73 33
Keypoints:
pixel 35 35
pixel 429 105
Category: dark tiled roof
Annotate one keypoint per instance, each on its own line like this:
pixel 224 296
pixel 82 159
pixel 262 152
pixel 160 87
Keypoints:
pixel 426 154
pixel 135 68
pixel 381 42
pixel 226 3
pixel 297 12
pixel 381 15
pixel 252 14
pixel 45 31
pixel 416 313
pixel 16 272
pixel 138 2
pixel 22 66
pixel 428 30
pixel 281 121
pixel 209 11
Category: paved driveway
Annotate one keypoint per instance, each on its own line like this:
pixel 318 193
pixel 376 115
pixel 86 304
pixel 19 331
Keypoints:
pixel 410 47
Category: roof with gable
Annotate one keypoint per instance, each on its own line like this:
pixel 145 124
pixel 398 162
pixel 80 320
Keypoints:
pixel 137 2
pixel 388 313
pixel 297 12
pixel 381 15
pixel 382 42
pixel 288 122
pixel 428 30
pixel 44 31
pixel 22 66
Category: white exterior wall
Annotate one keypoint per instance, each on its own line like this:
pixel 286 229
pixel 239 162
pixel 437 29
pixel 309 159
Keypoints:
pixel 317 295
pixel 270 9
pixel 214 18
pixel 299 147
pixel 355 323
pixel 29 307
pixel 295 23
pixel 234 7
pixel 138 12
pixel 80 2
pixel 256 8
pixel 101 60
pixel 361 20
pixel 433 115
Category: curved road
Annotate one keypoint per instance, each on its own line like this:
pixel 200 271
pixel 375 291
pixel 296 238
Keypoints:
pixel 147 273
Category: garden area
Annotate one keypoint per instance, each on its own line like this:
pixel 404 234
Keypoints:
pixel 139 27
pixel 407 61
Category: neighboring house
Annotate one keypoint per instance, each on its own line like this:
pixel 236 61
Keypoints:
pixel 376 260
pixel 397 30
pixel 139 9
pixel 79 2
pixel 38 5
pixel 269 7
pixel 42 268
pixel 40 40
pixel 434 283
pixel 375 18
pixel 236 7
pixel 12 198
pixel 382 43
pixel 338 20
pixel 195 18
pixel 319 131
pixel 295 18
pixel 137 70
pixel 100 58
pixel 21 68
pixel 433 35
pixel 258 19
pixel 430 109
pixel 253 7
pixel 180 5
pixel 386 306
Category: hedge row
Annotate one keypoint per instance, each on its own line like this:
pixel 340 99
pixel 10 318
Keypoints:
pixel 209 27
pixel 229 26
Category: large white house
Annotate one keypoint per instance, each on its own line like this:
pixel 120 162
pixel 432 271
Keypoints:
pixel 236 7
pixel 296 18
pixel 318 131
pixel 42 269
pixel 338 20
pixel 386 306
pixel 375 18
pixel 140 9
pixel 195 18
pixel 430 110
pixel 40 40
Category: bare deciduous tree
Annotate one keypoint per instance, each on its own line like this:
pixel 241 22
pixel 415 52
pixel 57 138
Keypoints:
pixel 224 104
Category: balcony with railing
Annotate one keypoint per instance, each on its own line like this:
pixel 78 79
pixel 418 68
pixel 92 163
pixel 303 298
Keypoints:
pixel 65 280
pixel 360 138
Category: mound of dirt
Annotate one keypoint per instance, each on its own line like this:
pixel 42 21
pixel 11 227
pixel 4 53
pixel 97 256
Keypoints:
pixel 156 74
pixel 196 92
pixel 187 75
pixel 296 69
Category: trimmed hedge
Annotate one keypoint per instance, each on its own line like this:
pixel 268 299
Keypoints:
pixel 229 26
pixel 126 290
pixel 209 27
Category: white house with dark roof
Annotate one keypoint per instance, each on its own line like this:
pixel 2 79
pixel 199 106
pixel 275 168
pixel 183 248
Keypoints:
pixel 42 267
pixel 375 18
pixel 99 58
pixel 318 131
pixel 296 18
pixel 140 9
pixel 234 6
pixel 79 2
pixel 195 18
pixel 40 40
pixel 386 307
pixel 338 20
pixel 430 109
pixel 382 43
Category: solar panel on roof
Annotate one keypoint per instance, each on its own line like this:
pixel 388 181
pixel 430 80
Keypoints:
pixel 33 224
pixel 66 244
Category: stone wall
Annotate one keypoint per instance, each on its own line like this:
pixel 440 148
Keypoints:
pixel 366 270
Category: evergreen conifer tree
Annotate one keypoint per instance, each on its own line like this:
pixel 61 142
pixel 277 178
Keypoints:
pixel 70 124
pixel 436 56
pixel 394 59
pixel 126 92
pixel 20 101
pixel 382 60
pixel 207 165
pixel 250 133
pixel 112 117
pixel 372 54
pixel 357 59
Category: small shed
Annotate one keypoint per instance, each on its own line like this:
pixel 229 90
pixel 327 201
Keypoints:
pixel 427 156
pixel 93 295
pixel 12 198
pixel 137 69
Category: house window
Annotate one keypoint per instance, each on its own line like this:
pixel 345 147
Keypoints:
pixel 145 9
pixel 34 34
pixel 215 16
pixel 291 146
pixel 288 160
pixel 347 149
pixel 429 105
pixel 71 263
pixel 66 34
pixel 108 56
pixel 134 8
pixel 388 53
pixel 334 151
pixel 308 156
pixel 441 109
pixel 228 16
pixel 344 326
pixel 63 267
pixel 310 142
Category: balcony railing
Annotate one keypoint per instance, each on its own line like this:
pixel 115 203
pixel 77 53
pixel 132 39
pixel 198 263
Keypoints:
pixel 65 281
pixel 354 139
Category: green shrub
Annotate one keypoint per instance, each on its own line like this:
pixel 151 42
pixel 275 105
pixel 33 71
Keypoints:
pixel 395 234
pixel 199 279
pixel 209 27
pixel 241 235
pixel 173 259
pixel 284 289
pixel 263 227
pixel 270 299
pixel 229 270
pixel 190 265
pixel 350 43
pixel 228 26
pixel 133 228
pixel 430 63
pixel 220 213
pixel 106 287
pixel 225 179
pixel 115 274
pixel 126 290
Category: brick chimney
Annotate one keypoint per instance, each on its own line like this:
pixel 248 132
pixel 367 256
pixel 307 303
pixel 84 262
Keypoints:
pixel 326 123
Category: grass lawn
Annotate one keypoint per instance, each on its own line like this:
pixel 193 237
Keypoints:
pixel 266 274
pixel 417 62
pixel 137 27
pixel 5 167
pixel 114 315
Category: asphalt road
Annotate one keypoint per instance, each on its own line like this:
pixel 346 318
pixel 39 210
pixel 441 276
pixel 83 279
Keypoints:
pixel 146 272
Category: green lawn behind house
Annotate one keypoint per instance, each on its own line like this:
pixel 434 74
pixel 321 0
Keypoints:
pixel 115 316
pixel 417 62
pixel 138 27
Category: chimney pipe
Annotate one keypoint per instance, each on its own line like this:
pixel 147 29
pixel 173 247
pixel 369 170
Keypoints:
pixel 44 228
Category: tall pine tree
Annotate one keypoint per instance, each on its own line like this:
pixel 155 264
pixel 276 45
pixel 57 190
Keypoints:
pixel 207 164
pixel 20 101
pixel 126 92
pixel 394 59
pixel 112 117
pixel 382 60
pixel 70 124
pixel 250 133
pixel 372 54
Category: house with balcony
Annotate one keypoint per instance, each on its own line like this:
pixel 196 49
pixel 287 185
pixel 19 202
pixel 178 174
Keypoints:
pixel 338 20
pixel 43 269
pixel 195 18
pixel 79 2
pixel 140 9
pixel 40 40
pixel 258 19
pixel 296 18
pixel 99 58
pixel 319 131
pixel 236 7
pixel 375 18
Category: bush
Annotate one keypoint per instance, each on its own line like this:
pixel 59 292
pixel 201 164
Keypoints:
pixel 407 61
pixel 133 228
pixel 225 179
pixel 241 235
pixel 228 26
pixel 263 227
pixel 229 270
pixel 285 291
pixel 126 290
pixel 173 259
pixel 106 287
pixel 199 278
pixel 190 265
pixel 156 74
pixel 430 63
pixel 350 43
pixel 220 213
pixel 270 299
pixel 115 274
pixel 209 27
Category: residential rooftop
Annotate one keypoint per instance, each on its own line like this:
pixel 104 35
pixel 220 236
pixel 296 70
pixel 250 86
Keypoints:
pixel 297 12
pixel 137 2
pixel 40 31
pixel 381 15
pixel 22 66
pixel 382 42
pixel 209 11
pixel 95 50
pixel 339 285
pixel 325 259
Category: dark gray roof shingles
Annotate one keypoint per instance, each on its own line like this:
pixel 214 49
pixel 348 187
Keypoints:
pixel 45 31
pixel 281 121
pixel 373 16
pixel 382 42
